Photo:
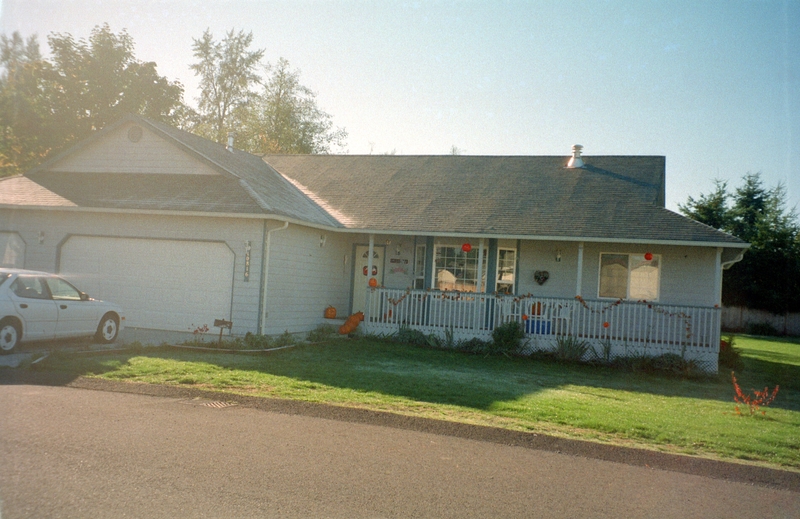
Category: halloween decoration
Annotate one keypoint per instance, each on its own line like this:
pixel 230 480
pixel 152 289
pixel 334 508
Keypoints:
pixel 330 313
pixel 466 247
pixel 540 276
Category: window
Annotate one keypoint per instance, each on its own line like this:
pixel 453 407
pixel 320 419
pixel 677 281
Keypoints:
pixel 419 267
pixel 458 270
pixel 62 290
pixel 29 288
pixel 506 270
pixel 629 276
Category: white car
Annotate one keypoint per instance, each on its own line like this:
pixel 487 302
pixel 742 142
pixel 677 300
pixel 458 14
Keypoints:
pixel 40 306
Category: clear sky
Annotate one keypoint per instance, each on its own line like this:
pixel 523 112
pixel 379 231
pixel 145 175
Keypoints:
pixel 713 86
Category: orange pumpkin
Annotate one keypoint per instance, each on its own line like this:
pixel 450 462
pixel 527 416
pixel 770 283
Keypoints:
pixel 373 282
pixel 330 313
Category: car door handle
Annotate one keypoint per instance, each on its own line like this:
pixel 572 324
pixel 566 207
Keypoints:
pixel 63 307
pixel 23 305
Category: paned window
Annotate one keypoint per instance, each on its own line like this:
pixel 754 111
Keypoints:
pixel 506 270
pixel 629 276
pixel 419 267
pixel 458 270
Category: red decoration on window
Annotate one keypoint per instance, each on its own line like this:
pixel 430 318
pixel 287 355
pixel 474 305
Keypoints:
pixel 466 247
pixel 373 282
pixel 648 256
pixel 606 325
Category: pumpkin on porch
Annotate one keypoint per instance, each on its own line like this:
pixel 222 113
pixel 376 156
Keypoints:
pixel 351 323
pixel 330 312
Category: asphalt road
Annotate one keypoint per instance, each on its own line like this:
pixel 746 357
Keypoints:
pixel 78 452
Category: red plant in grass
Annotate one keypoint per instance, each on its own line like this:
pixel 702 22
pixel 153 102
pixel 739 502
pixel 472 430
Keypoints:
pixel 755 401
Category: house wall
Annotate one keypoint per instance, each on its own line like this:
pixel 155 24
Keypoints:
pixel 116 153
pixel 304 277
pixel 58 226
pixel 687 273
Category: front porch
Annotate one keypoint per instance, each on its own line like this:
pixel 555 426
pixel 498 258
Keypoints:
pixel 612 328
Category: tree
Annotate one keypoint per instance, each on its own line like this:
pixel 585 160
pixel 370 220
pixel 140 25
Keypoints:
pixel 24 140
pixel 100 80
pixel 768 277
pixel 228 81
pixel 286 118
pixel 47 105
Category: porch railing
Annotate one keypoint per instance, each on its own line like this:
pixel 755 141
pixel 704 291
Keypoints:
pixel 612 327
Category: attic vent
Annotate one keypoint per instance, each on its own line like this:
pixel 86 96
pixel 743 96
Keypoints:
pixel 575 161
pixel 135 133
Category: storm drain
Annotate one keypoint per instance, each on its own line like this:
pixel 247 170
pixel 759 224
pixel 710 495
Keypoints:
pixel 216 404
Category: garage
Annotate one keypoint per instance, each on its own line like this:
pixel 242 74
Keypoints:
pixel 161 284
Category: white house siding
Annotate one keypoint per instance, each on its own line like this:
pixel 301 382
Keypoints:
pixel 541 256
pixel 116 153
pixel 58 226
pixel 687 273
pixel 304 277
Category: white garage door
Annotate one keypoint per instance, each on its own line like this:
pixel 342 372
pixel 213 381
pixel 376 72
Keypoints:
pixel 12 250
pixel 161 284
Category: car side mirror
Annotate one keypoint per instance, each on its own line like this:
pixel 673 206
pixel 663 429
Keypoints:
pixel 84 296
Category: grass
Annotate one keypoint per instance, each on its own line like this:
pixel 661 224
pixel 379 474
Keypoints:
pixel 577 401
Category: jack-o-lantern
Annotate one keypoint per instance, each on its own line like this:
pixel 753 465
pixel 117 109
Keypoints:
pixel 330 313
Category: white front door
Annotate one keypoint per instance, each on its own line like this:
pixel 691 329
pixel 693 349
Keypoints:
pixel 363 275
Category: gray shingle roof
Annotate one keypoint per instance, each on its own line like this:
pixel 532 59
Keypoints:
pixel 613 197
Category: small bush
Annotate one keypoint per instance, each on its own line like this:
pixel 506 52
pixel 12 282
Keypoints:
pixel 570 348
pixel 762 329
pixel 729 356
pixel 285 339
pixel 410 336
pixel 254 341
pixel 323 332
pixel 475 346
pixel 506 339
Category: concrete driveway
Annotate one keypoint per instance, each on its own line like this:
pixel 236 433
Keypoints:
pixel 77 452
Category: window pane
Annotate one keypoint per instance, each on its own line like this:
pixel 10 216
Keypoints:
pixel 506 265
pixel 63 290
pixel 29 287
pixel 419 267
pixel 614 275
pixel 456 269
pixel 644 278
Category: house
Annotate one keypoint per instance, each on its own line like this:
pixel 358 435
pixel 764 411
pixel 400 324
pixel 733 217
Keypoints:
pixel 182 231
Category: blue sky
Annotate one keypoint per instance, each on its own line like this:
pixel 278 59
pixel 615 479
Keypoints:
pixel 713 86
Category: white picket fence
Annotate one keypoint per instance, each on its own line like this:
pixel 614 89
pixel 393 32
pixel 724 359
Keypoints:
pixel 614 328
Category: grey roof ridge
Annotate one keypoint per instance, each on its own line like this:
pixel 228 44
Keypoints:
pixel 337 218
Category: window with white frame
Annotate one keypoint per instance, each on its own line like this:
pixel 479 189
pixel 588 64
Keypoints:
pixel 419 267
pixel 630 276
pixel 506 270
pixel 455 269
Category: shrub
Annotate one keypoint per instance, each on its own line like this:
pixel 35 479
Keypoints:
pixel 570 348
pixel 254 341
pixel 762 329
pixel 321 333
pixel 285 339
pixel 474 345
pixel 410 336
pixel 729 356
pixel 506 339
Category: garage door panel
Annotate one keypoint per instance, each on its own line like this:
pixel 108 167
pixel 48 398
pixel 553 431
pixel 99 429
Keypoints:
pixel 161 284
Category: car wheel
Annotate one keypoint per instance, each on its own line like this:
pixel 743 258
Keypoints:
pixel 108 329
pixel 10 334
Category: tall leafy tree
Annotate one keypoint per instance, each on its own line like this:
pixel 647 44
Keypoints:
pixel 228 82
pixel 99 80
pixel 24 111
pixel 287 119
pixel 87 84
pixel 768 277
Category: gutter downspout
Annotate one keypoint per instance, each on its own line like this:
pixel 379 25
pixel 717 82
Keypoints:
pixel 265 276
pixel 718 277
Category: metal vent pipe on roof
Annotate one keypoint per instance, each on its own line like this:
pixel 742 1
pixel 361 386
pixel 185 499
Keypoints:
pixel 230 141
pixel 575 161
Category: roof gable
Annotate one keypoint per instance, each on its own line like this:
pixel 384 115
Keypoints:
pixel 130 147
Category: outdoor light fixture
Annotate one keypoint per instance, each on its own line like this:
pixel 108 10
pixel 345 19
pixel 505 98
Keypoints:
pixel 322 239
pixel 41 237
pixel 558 255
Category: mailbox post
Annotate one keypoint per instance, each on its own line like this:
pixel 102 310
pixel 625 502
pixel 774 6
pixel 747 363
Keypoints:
pixel 222 323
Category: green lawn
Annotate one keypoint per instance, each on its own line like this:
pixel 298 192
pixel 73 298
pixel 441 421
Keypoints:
pixel 686 416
